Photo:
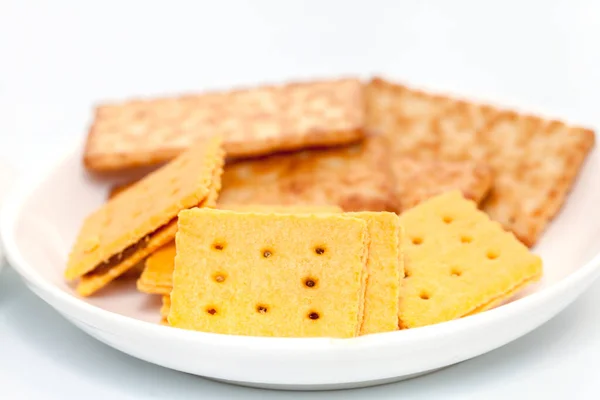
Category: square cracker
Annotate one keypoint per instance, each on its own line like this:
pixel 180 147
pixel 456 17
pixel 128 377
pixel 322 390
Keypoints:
pixel 296 275
pixel 356 178
pixel 458 261
pixel 157 277
pixel 534 161
pixel 385 265
pixel 253 121
pixel 133 224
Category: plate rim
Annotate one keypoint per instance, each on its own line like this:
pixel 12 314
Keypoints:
pixel 20 192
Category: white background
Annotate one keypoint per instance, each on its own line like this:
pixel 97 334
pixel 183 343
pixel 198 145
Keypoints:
pixel 59 58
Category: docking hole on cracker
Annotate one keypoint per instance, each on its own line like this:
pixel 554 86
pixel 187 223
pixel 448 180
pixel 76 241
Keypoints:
pixel 262 309
pixel 310 282
pixel 266 253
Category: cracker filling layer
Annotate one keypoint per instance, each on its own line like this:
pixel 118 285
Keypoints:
pixel 129 251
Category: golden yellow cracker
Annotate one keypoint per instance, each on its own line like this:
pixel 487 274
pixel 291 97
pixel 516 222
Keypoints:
pixel 125 230
pixel 534 161
pixel 386 270
pixel 356 178
pixel 419 180
pixel 253 121
pixel 457 260
pixel 296 275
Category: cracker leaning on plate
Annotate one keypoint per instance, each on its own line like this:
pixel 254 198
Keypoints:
pixel 534 161
pixel 253 121
pixel 132 225
pixel 458 262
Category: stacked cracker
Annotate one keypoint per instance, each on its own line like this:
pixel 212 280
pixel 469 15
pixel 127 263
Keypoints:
pixel 293 240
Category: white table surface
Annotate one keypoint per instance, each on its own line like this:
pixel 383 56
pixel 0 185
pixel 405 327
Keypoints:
pixel 58 58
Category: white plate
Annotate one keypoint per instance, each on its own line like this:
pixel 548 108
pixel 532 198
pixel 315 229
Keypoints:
pixel 41 218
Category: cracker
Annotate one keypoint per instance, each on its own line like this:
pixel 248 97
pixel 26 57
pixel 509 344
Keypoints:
pixel 135 223
pixel 534 161
pixel 356 178
pixel 253 121
pixel 296 275
pixel 157 277
pixel 458 261
pixel 385 265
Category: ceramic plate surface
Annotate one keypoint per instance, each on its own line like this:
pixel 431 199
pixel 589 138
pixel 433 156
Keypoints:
pixel 41 217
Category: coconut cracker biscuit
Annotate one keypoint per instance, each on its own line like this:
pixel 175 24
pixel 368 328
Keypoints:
pixel 296 275
pixel 458 262
pixel 157 277
pixel 355 178
pixel 134 224
pixel 534 161
pixel 253 121
pixel 385 265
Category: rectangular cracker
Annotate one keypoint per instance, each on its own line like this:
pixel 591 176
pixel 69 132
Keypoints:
pixel 157 277
pixel 534 161
pixel 458 261
pixel 385 265
pixel 297 275
pixel 355 178
pixel 253 121
pixel 132 225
